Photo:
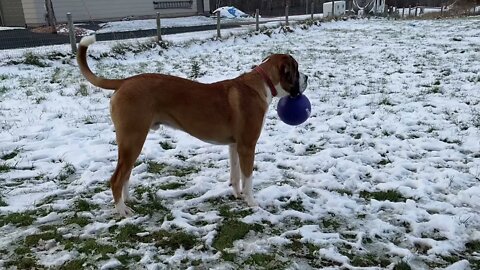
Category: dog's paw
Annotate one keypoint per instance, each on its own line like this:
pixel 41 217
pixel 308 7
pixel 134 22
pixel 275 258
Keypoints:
pixel 237 193
pixel 251 201
pixel 124 210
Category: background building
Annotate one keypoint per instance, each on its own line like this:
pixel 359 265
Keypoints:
pixel 33 12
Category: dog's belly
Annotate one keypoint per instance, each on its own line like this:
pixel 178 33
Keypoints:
pixel 213 136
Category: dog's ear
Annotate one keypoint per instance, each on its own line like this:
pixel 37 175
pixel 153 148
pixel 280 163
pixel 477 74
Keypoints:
pixel 290 72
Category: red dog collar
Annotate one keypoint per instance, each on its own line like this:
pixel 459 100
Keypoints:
pixel 266 79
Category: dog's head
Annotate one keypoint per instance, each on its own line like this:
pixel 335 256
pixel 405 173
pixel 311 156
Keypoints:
pixel 284 73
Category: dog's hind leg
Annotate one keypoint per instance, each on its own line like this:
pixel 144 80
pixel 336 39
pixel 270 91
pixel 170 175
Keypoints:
pixel 234 170
pixel 247 156
pixel 131 133
pixel 129 149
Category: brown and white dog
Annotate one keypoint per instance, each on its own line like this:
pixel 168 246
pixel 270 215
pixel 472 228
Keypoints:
pixel 228 112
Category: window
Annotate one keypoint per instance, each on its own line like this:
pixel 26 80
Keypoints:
pixel 172 4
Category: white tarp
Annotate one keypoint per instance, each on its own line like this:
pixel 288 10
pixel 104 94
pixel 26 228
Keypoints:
pixel 230 12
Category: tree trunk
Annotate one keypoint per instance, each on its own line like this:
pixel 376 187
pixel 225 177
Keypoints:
pixel 51 16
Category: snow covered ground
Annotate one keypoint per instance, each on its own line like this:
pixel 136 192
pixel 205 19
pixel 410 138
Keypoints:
pixel 148 24
pixel 385 173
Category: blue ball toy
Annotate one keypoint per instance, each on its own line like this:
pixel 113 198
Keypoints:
pixel 294 110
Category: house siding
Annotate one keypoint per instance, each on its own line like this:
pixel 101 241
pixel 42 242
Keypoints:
pixel 34 11
pixel 87 10
pixel 12 13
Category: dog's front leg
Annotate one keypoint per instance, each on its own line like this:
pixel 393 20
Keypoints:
pixel 247 156
pixel 234 170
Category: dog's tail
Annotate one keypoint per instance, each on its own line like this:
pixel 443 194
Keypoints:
pixel 89 75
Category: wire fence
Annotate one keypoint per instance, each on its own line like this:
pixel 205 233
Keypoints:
pixel 42 36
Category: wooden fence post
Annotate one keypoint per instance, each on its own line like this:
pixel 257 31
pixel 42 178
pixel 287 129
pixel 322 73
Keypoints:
pixel 218 25
pixel 257 19
pixel 286 15
pixel 333 8
pixel 71 33
pixel 159 28
pixel 312 9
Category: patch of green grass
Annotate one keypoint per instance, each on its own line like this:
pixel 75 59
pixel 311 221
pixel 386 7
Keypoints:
pixel 82 205
pixel 128 233
pixel 173 185
pixel 436 89
pixel 385 101
pixel 126 259
pixel 402 266
pixel 473 246
pixel 22 262
pixel 3 202
pixel 389 195
pixel 73 264
pixel 79 220
pixel 39 100
pixel 56 78
pixel 451 141
pixel 18 219
pixel 32 240
pixel 182 172
pixel 167 145
pixel 295 205
pixel 45 228
pixel 384 161
pixel 162 168
pixel 369 260
pixel 331 223
pixel 343 192
pixel 181 157
pixel 228 213
pixel 89 120
pixel 195 69
pixel 91 246
pixel 120 48
pixel 5 168
pixel 67 171
pixel 140 190
pixel 174 240
pixel 82 90
pixel 313 149
pixel 22 250
pixel 10 155
pixel 302 249
pixel 229 232
pixel 33 59
pixel 155 167
pixel 153 205
pixel 264 260
pixel 3 90
pixel 229 257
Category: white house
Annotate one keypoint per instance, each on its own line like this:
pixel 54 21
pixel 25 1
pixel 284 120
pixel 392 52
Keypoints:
pixel 33 12
pixel 339 8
